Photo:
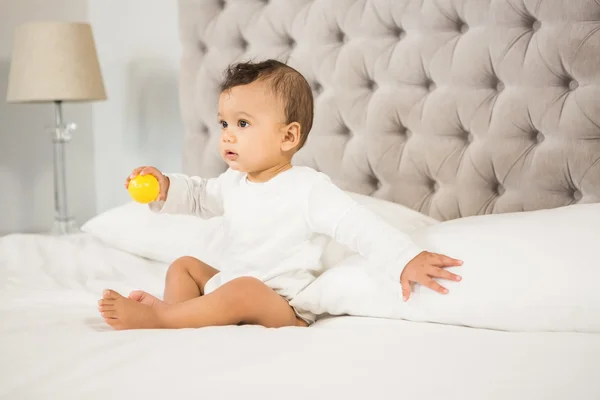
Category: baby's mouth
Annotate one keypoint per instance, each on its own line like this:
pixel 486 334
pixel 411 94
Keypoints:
pixel 230 155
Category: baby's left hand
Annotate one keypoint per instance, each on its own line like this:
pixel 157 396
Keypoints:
pixel 423 268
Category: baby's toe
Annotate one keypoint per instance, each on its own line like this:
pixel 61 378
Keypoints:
pixel 106 303
pixel 106 307
pixel 136 295
pixel 113 322
pixel 109 314
pixel 110 295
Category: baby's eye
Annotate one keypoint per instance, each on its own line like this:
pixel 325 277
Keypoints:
pixel 243 124
pixel 223 124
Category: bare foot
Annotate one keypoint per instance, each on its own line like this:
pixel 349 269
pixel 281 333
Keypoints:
pixel 126 313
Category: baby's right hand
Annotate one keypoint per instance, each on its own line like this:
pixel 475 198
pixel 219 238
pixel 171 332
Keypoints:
pixel 163 181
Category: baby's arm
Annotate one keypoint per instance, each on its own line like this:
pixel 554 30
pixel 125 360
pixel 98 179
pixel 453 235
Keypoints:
pixel 192 195
pixel 332 212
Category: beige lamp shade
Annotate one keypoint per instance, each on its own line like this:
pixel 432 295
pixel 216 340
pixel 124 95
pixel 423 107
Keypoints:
pixel 54 61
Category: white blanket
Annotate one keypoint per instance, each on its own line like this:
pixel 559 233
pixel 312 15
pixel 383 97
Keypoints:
pixel 54 345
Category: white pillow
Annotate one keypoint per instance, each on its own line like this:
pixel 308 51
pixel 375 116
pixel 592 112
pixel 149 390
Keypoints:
pixel 133 228
pixel 528 271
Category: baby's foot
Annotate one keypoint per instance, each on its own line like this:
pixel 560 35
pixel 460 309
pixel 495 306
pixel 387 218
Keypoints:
pixel 145 298
pixel 125 313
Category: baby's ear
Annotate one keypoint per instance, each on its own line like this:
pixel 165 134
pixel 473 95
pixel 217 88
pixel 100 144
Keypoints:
pixel 291 136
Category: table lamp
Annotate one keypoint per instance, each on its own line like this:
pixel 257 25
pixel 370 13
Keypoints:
pixel 56 62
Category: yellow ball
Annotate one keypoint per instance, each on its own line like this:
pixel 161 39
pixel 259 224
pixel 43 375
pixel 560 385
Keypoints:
pixel 144 188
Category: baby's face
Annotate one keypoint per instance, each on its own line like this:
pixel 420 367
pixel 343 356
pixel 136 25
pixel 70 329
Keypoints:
pixel 251 122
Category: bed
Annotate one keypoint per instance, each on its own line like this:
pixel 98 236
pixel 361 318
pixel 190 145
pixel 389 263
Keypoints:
pixel 478 119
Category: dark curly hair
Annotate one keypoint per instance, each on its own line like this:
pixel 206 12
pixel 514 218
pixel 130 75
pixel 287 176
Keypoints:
pixel 286 83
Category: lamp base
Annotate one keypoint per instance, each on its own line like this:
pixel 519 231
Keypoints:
pixel 64 223
pixel 64 227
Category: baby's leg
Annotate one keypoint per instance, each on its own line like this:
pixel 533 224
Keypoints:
pixel 186 278
pixel 242 301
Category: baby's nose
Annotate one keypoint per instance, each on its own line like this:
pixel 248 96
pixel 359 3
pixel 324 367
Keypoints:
pixel 228 137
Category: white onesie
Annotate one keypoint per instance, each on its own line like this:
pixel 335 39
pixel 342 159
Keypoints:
pixel 276 231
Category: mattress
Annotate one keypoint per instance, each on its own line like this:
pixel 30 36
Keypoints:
pixel 54 345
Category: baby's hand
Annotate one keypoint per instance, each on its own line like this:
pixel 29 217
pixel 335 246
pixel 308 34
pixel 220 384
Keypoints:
pixel 423 268
pixel 163 181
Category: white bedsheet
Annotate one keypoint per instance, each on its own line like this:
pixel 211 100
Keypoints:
pixel 54 345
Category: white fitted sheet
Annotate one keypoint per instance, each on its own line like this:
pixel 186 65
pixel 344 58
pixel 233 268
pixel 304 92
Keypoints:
pixel 54 345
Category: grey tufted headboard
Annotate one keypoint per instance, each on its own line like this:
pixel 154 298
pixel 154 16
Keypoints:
pixel 451 107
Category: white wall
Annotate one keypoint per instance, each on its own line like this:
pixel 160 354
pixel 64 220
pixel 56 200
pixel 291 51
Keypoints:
pixel 27 200
pixel 138 48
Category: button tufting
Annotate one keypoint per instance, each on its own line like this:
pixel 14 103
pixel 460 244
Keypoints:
pixel 202 47
pixel 291 42
pixel 500 86
pixel 344 130
pixel 576 195
pixel 408 134
pixel 573 84
pixel 500 190
pixel 372 85
pixel 341 37
pixel 243 44
pixel 317 87
pixel 203 130
pixel 221 3
pixel 538 136
pixel 430 85
pixel 462 27
pixel 536 25
pixel 399 32
pixel 470 137
pixel 435 186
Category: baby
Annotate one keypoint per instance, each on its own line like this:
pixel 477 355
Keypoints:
pixel 278 219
